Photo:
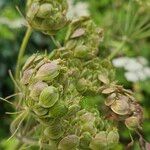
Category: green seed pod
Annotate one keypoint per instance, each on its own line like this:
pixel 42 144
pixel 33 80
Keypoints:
pixel 70 142
pixel 120 107
pixel 48 97
pixel 30 102
pixel 48 71
pixel 46 120
pixel 81 51
pixel 89 127
pixel 58 110
pixel 132 122
pixel 85 140
pixel 99 142
pixel 87 117
pixel 39 110
pixel 47 16
pixel 36 89
pixel 54 131
pixel 83 37
pixel 112 138
pixel 45 143
pixel 73 109
pixel 27 75
pixel 82 85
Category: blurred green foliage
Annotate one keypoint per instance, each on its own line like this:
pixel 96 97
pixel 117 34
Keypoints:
pixel 123 21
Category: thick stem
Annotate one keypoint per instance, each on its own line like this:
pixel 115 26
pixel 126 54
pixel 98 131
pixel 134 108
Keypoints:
pixel 22 50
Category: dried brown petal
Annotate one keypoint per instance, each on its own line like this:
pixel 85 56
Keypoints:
pixel 103 78
pixel 77 33
pixel 110 99
pixel 120 107
pixel 132 122
pixel 108 90
pixel 36 89
pixel 27 74
pixel 48 71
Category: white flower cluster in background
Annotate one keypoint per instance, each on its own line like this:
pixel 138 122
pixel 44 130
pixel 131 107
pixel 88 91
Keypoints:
pixel 146 2
pixel 137 69
pixel 13 24
pixel 78 9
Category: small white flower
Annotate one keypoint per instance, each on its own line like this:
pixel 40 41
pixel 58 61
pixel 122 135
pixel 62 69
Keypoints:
pixel 131 76
pixel 136 68
pixel 147 71
pixel 13 24
pixel 120 62
pixel 78 9
pixel 133 65
pixel 142 60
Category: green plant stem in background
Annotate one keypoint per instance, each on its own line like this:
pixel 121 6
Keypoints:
pixel 22 50
pixel 116 51
pixel 55 42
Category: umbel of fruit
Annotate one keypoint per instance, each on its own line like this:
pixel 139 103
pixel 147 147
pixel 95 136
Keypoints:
pixel 83 38
pixel 63 93
pixel 47 16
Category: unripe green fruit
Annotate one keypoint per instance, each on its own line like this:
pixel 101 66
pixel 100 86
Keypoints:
pixel 39 110
pixel 46 120
pixel 82 85
pixel 58 110
pixel 48 97
pixel 99 142
pixel 87 117
pixel 70 142
pixel 30 102
pixel 85 140
pixel 54 131
pixel 73 109
pixel 36 89
pixel 89 127
pixel 48 71
pixel 112 138
pixel 81 51
pixel 27 75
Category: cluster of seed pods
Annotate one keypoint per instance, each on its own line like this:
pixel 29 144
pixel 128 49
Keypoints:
pixel 122 103
pixel 47 16
pixel 64 91
pixel 66 124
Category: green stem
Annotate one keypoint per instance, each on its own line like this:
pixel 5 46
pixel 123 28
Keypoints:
pixel 22 50
pixel 55 42
pixel 115 52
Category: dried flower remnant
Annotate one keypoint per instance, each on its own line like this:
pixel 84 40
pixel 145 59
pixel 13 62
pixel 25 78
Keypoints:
pixel 122 103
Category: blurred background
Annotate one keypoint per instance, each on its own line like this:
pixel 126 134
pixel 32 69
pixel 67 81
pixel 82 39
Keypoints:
pixel 126 25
